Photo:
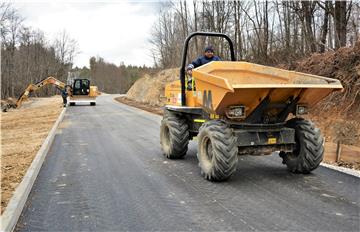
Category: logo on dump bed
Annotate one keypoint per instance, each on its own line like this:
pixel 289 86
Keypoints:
pixel 207 99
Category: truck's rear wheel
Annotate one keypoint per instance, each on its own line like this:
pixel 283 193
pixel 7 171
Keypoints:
pixel 217 151
pixel 309 150
pixel 174 136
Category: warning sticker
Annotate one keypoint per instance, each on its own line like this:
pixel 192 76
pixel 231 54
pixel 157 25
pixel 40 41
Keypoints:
pixel 271 140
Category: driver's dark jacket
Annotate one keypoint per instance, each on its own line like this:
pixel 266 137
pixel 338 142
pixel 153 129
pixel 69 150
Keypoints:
pixel 201 60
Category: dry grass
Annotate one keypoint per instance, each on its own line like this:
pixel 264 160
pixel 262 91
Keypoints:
pixel 23 131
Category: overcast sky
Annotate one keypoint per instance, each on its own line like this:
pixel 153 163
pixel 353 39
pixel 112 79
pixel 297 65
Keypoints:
pixel 114 30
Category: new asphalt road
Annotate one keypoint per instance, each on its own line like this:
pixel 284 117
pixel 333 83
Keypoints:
pixel 105 171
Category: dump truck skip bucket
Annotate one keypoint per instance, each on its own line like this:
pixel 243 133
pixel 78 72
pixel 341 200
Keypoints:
pixel 221 84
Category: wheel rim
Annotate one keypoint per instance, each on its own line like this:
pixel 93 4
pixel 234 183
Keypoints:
pixel 296 152
pixel 166 138
pixel 206 154
pixel 208 149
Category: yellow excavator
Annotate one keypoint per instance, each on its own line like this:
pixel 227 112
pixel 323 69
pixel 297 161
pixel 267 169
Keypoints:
pixel 80 91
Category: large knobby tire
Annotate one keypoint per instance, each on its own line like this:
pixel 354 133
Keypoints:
pixel 174 136
pixel 309 150
pixel 217 151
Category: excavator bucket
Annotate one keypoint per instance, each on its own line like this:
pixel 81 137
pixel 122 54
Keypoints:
pixel 222 84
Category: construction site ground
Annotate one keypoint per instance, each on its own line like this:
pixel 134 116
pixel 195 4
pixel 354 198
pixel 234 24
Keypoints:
pixel 105 171
pixel 23 131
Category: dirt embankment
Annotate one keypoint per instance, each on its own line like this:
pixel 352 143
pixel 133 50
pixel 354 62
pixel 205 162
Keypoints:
pixel 344 65
pixel 338 114
pixel 150 89
pixel 23 131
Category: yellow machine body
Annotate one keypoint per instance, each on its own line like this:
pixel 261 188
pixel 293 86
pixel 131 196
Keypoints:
pixel 239 108
pixel 173 95
pixel 91 97
pixel 222 84
pixel 94 92
pixel 82 92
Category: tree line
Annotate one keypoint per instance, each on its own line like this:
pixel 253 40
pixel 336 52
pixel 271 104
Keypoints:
pixel 111 78
pixel 28 57
pixel 265 32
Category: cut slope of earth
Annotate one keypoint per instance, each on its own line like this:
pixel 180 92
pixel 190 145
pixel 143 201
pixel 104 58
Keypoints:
pixel 338 114
pixel 150 89
pixel 344 65
pixel 23 131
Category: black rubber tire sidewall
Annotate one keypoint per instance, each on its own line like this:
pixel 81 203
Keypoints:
pixel 178 136
pixel 310 150
pixel 225 151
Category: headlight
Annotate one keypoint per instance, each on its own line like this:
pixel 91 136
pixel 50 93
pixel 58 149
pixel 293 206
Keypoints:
pixel 301 109
pixel 235 112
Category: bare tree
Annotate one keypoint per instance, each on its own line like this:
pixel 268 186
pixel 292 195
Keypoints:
pixel 26 57
pixel 65 47
pixel 263 32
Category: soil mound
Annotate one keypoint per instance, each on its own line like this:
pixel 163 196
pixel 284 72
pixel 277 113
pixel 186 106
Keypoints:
pixel 338 114
pixel 151 89
pixel 344 65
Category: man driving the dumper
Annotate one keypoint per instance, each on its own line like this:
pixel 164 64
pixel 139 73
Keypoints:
pixel 201 60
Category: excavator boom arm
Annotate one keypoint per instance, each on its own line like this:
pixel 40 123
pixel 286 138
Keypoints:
pixel 32 87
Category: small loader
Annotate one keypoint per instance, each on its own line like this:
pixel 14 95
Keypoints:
pixel 83 92
pixel 240 108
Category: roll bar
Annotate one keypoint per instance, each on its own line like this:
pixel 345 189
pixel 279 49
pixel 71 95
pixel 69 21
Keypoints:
pixel 184 54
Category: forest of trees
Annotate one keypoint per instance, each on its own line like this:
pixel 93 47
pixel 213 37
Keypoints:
pixel 28 57
pixel 265 32
pixel 118 78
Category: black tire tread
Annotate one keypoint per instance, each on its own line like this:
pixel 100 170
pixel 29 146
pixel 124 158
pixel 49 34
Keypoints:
pixel 225 150
pixel 179 135
pixel 310 150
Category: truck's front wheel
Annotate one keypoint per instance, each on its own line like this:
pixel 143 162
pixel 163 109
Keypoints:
pixel 217 151
pixel 174 136
pixel 309 150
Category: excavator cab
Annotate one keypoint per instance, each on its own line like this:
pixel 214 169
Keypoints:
pixel 82 92
pixel 81 87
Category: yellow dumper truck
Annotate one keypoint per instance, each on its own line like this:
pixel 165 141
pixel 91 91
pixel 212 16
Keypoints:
pixel 240 108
